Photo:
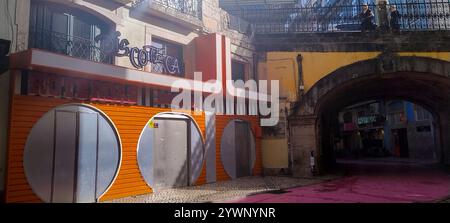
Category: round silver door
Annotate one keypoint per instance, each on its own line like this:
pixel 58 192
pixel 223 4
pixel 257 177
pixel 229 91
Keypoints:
pixel 170 151
pixel 72 154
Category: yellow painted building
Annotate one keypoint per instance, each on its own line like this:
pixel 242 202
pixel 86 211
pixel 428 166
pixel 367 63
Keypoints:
pixel 283 66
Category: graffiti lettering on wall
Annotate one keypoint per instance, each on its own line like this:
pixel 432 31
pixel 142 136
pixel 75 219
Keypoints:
pixel 139 58
pixel 52 85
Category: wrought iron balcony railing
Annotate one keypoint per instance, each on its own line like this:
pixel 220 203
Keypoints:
pixel 338 18
pixel 189 7
pixel 68 45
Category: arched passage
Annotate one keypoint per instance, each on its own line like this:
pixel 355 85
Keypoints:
pixel 423 81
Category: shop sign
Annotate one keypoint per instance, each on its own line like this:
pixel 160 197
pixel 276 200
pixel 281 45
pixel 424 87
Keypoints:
pixel 367 120
pixel 139 57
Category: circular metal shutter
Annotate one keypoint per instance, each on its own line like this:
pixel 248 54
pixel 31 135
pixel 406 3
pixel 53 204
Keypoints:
pixel 148 157
pixel 72 154
pixel 237 149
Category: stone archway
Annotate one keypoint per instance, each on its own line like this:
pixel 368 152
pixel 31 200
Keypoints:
pixel 425 81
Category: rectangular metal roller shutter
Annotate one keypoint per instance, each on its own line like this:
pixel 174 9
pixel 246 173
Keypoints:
pixel 171 148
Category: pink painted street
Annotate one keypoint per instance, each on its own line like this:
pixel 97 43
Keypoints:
pixel 370 181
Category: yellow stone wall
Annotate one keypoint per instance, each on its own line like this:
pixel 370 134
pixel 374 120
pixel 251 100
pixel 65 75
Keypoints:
pixel 275 153
pixel 282 66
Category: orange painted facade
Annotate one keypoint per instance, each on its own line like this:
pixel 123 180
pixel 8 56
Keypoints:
pixel 25 111
pixel 129 121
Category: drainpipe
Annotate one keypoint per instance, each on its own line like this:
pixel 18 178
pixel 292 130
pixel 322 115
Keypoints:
pixel 300 93
pixel 287 135
pixel 301 86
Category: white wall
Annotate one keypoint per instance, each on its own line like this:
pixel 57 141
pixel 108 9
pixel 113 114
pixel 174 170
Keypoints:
pixel 7 18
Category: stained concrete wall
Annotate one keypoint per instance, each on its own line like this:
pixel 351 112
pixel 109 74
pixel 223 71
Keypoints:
pixel 4 117
pixel 138 26
pixel 8 31
pixel 421 144
pixel 7 15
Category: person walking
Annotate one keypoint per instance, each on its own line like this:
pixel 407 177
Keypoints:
pixel 383 11
pixel 394 21
pixel 366 17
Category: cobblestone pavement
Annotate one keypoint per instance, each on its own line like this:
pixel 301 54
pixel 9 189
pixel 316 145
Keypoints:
pixel 223 191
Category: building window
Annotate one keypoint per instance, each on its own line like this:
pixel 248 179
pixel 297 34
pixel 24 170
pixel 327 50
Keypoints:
pixel 396 118
pixel 238 71
pixel 422 114
pixel 168 49
pixel 68 31
pixel 396 106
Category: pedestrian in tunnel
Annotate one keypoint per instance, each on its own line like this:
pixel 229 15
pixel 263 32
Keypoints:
pixel 394 21
pixel 366 17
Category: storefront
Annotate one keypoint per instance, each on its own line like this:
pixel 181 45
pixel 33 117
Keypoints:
pixel 82 131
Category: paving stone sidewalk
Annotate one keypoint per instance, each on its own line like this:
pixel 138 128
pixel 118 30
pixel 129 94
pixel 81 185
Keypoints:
pixel 223 191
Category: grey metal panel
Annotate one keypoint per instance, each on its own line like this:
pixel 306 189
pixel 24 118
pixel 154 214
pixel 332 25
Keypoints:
pixel 197 153
pixel 145 155
pixel 75 109
pixel 65 149
pixel 227 150
pixel 108 155
pixel 87 158
pixel 242 147
pixel 210 147
pixel 170 153
pixel 38 156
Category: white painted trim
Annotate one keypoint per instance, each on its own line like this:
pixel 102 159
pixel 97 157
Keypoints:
pixel 231 89
pixel 52 60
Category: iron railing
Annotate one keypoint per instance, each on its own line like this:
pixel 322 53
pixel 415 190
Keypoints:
pixel 288 18
pixel 69 45
pixel 189 7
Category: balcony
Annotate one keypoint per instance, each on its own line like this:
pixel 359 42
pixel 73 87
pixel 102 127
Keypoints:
pixel 73 46
pixel 184 12
pixel 288 18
